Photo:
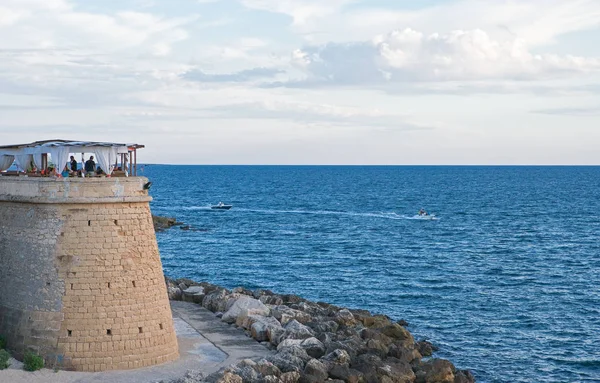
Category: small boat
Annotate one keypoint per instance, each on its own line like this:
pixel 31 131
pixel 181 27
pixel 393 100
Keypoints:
pixel 221 206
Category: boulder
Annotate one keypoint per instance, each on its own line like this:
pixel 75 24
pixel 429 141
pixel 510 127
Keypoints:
pixel 346 374
pixel 297 352
pixel 323 326
pixel 271 300
pixel 290 377
pixel 244 304
pixel 261 292
pixel 435 371
pixel 213 300
pixel 399 333
pixel 245 371
pixel 286 343
pixel 313 347
pixel 408 355
pixel 285 315
pixel 174 293
pixel 316 369
pixel 191 376
pixel 287 363
pixel 463 376
pixel 344 318
pixel 426 348
pixel 296 330
pixel 377 347
pixel 270 379
pixel 194 294
pixel 396 372
pixel 229 377
pixel 337 356
pixel 266 368
pixel 263 327
pixel 242 290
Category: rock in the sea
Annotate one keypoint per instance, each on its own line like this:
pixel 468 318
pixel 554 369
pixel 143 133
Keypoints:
pixel 251 305
pixel 463 376
pixel 426 348
pixel 400 333
pixel 194 294
pixel 287 363
pixel 345 318
pixel 435 371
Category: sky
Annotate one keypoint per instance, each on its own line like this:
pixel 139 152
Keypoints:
pixel 307 81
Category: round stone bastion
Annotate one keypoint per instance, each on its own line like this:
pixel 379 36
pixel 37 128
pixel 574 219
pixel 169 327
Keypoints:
pixel 81 281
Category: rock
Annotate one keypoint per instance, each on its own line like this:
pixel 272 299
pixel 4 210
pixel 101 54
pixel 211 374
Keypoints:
pixel 245 371
pixel 194 294
pixel 337 356
pixel 286 343
pixel 368 334
pixel 377 347
pixel 402 323
pixel 400 333
pixel 229 377
pixel 271 300
pixel 345 373
pixel 253 306
pixel 396 372
pixel 426 348
pixel 276 334
pixel 266 368
pixel 377 321
pixel 287 363
pixel 297 352
pixel 162 223
pixel 191 376
pixel 312 309
pixel 242 290
pixel 285 315
pixel 463 376
pixel 213 299
pixel 290 377
pixel 323 326
pixel 291 298
pixel 263 327
pixel 261 292
pixel 313 347
pixel 174 293
pixel 344 318
pixel 408 355
pixel 316 369
pixel 296 330
pixel 435 371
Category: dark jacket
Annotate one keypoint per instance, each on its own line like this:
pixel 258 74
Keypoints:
pixel 74 165
pixel 90 166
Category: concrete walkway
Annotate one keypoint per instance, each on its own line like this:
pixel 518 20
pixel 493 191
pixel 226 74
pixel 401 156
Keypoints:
pixel 205 344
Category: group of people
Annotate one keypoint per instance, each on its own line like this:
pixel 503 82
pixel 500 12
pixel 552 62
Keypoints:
pixel 88 168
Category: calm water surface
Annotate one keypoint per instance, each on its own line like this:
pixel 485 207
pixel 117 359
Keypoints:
pixel 506 282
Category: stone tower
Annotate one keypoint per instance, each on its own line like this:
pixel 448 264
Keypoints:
pixel 81 280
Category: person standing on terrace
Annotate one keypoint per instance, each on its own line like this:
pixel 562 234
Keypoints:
pixel 90 165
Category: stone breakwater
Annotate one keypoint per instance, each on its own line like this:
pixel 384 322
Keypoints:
pixel 315 342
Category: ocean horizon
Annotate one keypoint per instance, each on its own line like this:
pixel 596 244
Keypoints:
pixel 505 279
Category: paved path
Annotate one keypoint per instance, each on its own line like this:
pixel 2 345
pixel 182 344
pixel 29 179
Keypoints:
pixel 205 344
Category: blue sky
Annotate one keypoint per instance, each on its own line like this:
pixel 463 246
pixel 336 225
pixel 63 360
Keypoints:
pixel 307 81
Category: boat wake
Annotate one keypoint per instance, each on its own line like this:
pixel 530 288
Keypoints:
pixel 381 215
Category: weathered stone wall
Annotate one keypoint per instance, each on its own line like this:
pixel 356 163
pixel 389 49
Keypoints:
pixel 82 282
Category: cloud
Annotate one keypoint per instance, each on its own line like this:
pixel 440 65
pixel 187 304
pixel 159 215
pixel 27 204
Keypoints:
pixel 315 114
pixel 241 76
pixel 578 112
pixel 301 11
pixel 411 56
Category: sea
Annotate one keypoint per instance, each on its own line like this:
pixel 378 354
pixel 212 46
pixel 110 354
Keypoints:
pixel 505 279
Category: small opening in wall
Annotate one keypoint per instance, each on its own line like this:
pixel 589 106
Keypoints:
pixel 160 325
pixel 116 222
pixel 133 283
pixel 108 285
pixel 47 283
pixel 108 331
pixel 71 286
pixel 141 330
pixel 89 223
pixel 69 333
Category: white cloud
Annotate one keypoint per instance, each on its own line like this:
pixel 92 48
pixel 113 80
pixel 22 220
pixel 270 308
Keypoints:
pixel 409 55
pixel 302 12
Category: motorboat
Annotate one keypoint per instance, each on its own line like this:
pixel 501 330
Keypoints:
pixel 221 206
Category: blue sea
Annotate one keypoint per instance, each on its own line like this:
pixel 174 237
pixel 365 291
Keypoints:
pixel 506 280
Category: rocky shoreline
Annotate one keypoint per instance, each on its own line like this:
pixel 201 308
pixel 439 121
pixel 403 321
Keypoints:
pixel 315 342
